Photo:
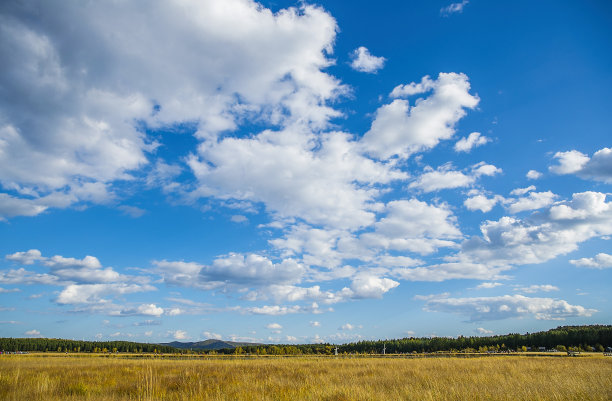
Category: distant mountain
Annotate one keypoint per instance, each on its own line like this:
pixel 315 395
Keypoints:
pixel 209 345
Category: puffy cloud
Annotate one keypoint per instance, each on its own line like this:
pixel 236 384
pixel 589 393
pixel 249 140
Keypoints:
pixel 178 334
pixel 274 326
pixel 483 331
pixel 453 8
pixel 92 293
pixel 143 310
pixel 314 323
pixel 5 290
pixel 346 326
pixel 522 191
pixel 444 177
pixel 600 261
pixel 33 333
pixel 252 269
pixel 208 334
pixel 542 236
pixel 482 203
pixel 27 257
pixel 365 62
pixel 412 225
pixel 474 140
pixel 279 310
pixel 86 270
pixel 320 179
pixel 598 167
pixel 401 130
pixel 535 200
pixel 72 97
pixel 366 285
pixel 22 276
pixel 533 175
pixel 569 162
pixel 508 306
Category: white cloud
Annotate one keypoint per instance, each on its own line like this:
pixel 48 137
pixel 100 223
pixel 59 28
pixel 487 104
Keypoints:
pixel 412 225
pixel 401 130
pixel 542 236
pixel 320 179
pixel 508 306
pixel 453 8
pixel 488 285
pixel 211 335
pixel 274 326
pixel 474 140
pixel 598 167
pixel 314 323
pixel 92 293
pixel 600 261
pixel 444 177
pixel 569 162
pixel 483 331
pixel 537 288
pixel 238 218
pixel 522 191
pixel 533 175
pixel 346 326
pixel 86 270
pixel 72 96
pixel 33 333
pixel 174 312
pixel 26 258
pixel 451 271
pixel 365 62
pixel 482 203
pixel 535 200
pixel 366 285
pixel 178 334
pixel 5 290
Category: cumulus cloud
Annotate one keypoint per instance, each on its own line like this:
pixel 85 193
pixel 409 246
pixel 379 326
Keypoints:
pixel 363 61
pixel 401 130
pixel 444 177
pixel 533 175
pixel 600 261
pixel 73 98
pixel 33 333
pixel 178 334
pixel 540 237
pixel 508 306
pixel 483 331
pixel 314 323
pixel 346 326
pixel 474 140
pixel 482 202
pixel 86 270
pixel 412 225
pixel 92 293
pixel 321 179
pixel 597 168
pixel 208 334
pixel 535 200
pixel 274 326
pixel 366 285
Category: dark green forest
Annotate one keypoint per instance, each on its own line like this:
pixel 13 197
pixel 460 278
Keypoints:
pixel 564 338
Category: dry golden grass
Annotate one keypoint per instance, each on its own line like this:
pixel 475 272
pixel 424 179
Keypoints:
pixel 325 378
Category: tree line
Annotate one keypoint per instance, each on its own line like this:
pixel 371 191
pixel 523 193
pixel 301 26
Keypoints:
pixel 61 345
pixel 575 338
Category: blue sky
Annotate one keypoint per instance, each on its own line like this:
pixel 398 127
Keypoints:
pixel 303 172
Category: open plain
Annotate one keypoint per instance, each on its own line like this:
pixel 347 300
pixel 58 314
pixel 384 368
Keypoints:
pixel 53 377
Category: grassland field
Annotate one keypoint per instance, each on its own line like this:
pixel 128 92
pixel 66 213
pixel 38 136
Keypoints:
pixel 52 376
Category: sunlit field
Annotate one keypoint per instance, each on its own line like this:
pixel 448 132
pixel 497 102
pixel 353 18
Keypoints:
pixel 74 377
